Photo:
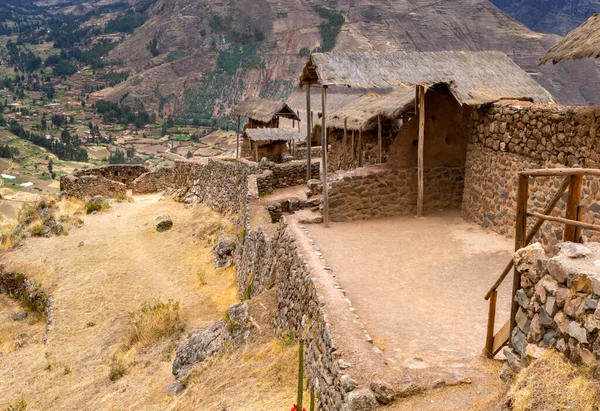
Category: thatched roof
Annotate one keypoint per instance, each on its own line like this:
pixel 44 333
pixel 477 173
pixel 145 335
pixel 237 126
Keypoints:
pixel 582 42
pixel 263 110
pixel 272 134
pixel 474 77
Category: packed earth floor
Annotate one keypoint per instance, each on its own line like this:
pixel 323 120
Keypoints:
pixel 418 286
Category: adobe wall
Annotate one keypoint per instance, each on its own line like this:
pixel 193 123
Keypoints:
pixel 558 304
pixel 378 191
pixel 505 138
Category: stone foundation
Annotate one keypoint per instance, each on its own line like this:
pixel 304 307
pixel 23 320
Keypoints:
pixel 381 192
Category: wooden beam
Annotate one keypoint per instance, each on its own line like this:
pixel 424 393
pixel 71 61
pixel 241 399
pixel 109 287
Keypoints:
pixel 359 147
pixel 420 161
pixel 237 142
pixel 308 134
pixel 572 223
pixel 379 160
pixel 352 148
pixel 324 157
pixel 256 150
pixel 572 204
pixel 345 144
pixel 501 338
pixel 520 233
pixel 561 172
pixel 489 340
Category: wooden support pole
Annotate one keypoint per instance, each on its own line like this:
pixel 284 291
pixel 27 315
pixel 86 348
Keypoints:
pixel 352 148
pixel 379 160
pixel 567 222
pixel 359 147
pixel 579 230
pixel 489 338
pixel 421 187
pixel 237 142
pixel 308 134
pixel 256 151
pixel 572 205
pixel 520 233
pixel 324 158
pixel 345 144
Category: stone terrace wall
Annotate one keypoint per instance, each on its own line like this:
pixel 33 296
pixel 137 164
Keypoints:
pixel 284 175
pixel 154 181
pixel 221 184
pixel 380 192
pixel 88 186
pixel 558 304
pixel 123 173
pixel 508 137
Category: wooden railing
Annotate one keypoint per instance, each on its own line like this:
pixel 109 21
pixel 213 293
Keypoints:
pixel 573 182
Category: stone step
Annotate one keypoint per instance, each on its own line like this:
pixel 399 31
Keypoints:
pixel 307 216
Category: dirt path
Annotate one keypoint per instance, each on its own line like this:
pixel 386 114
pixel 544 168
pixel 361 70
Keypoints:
pixel 122 263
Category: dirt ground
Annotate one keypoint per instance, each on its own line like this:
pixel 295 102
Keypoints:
pixel 122 263
pixel 418 287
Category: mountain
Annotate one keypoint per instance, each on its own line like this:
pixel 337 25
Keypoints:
pixel 197 58
pixel 550 16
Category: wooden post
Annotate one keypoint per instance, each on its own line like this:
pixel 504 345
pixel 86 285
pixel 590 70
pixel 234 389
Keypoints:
pixel 421 188
pixel 379 139
pixel 359 147
pixel 520 242
pixel 256 150
pixel 308 133
pixel 237 142
pixel 352 150
pixel 324 158
pixel 345 144
pixel 572 205
pixel 579 230
pixel 489 338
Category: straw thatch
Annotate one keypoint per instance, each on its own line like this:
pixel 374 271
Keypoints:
pixel 473 77
pixel 582 42
pixel 263 110
pixel 272 134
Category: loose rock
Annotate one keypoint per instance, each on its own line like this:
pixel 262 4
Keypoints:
pixel 384 393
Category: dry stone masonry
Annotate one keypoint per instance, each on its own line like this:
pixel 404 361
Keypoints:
pixel 558 304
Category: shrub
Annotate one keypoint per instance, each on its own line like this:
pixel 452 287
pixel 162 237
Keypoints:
pixel 20 405
pixel 117 369
pixel 153 322
pixel 36 229
pixel 95 205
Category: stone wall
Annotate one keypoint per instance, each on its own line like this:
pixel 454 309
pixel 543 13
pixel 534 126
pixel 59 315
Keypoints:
pixel 284 175
pixel 558 304
pixel 154 181
pixel 123 173
pixel 300 153
pixel 382 192
pixel 509 137
pixel 88 186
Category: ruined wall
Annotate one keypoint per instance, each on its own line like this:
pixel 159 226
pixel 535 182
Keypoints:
pixel 508 137
pixel 300 152
pixel 284 175
pixel 123 173
pixel 154 181
pixel 382 192
pixel 88 186
pixel 558 304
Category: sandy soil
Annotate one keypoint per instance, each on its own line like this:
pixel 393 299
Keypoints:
pixel 123 263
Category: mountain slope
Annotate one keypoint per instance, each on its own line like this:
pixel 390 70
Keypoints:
pixel 550 16
pixel 208 55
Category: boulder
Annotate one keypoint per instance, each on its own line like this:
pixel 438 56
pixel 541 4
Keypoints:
pixel 19 316
pixel 164 224
pixel 361 400
pixel 348 384
pixel 204 344
pixel 574 250
pixel 223 251
pixel 526 258
pixel 384 393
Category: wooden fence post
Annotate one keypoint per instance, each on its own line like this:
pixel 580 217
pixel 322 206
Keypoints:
pixel 572 204
pixel 520 237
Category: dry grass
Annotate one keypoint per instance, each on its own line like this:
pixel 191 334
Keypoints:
pixel 551 383
pixel 153 322
pixel 256 376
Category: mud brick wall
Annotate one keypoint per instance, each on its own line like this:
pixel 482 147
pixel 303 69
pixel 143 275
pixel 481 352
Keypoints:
pixel 381 192
pixel 506 138
pixel 154 181
pixel 558 303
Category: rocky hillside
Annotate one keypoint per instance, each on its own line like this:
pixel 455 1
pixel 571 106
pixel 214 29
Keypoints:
pixel 550 16
pixel 196 58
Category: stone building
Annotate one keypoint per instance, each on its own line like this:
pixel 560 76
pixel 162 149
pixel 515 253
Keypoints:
pixel 274 144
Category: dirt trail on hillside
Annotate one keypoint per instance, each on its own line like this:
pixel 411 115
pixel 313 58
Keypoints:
pixel 122 263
